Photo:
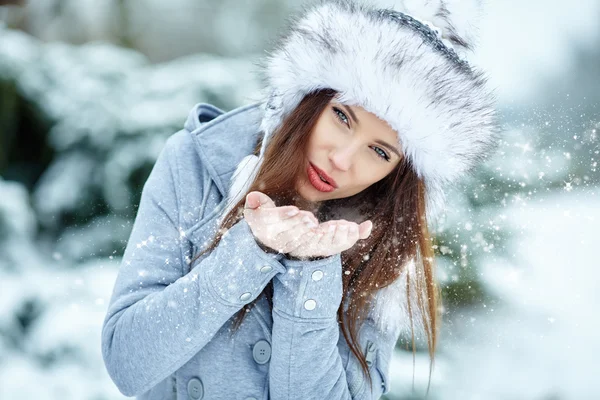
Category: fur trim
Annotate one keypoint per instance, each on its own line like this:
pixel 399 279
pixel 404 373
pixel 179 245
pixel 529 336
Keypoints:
pixel 456 18
pixel 390 308
pixel 242 178
pixel 441 108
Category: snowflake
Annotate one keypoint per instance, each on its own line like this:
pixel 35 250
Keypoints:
pixel 568 186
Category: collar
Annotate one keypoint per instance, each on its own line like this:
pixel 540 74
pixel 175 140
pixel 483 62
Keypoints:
pixel 223 139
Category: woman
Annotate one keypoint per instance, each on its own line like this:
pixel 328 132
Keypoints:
pixel 280 249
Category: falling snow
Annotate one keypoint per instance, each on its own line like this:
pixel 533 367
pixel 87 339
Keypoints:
pixel 516 250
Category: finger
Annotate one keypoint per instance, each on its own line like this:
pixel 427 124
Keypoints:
pixel 288 211
pixel 365 229
pixel 312 248
pixel 341 235
pixel 274 215
pixel 308 244
pixel 258 199
pixel 308 215
pixel 293 221
pixel 295 232
pixel 291 226
pixel 302 244
pixel 353 234
pixel 328 231
pixel 251 202
pixel 313 218
pixel 277 234
pixel 297 225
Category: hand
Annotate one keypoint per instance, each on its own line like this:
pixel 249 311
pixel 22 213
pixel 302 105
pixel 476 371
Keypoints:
pixel 279 228
pixel 332 237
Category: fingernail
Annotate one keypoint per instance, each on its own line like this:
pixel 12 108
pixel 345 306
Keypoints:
pixel 331 228
pixel 309 222
pixel 293 212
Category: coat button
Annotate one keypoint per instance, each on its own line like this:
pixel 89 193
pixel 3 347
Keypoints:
pixel 195 389
pixel 310 304
pixel 266 269
pixel 261 352
pixel 317 275
pixel 246 296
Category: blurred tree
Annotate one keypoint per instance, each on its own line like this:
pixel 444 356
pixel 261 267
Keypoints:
pixel 551 144
pixel 161 30
pixel 83 126
pixel 12 2
pixel 123 24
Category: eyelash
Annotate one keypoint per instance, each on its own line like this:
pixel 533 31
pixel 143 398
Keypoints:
pixel 383 155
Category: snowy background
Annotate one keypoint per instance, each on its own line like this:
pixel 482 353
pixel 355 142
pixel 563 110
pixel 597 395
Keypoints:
pixel 90 90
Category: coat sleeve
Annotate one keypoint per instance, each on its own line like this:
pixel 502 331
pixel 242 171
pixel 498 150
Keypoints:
pixel 308 359
pixel 159 317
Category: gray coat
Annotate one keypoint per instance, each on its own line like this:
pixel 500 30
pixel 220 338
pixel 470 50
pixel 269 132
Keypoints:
pixel 166 334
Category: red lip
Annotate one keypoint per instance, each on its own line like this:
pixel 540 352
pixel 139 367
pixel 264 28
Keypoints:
pixel 324 175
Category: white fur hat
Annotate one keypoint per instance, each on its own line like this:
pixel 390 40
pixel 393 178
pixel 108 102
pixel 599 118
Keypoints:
pixel 404 67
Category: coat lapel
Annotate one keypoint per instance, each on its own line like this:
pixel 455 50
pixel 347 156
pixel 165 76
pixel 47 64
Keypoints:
pixel 223 141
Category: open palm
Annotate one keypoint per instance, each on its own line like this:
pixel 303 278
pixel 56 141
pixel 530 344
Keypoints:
pixel 331 237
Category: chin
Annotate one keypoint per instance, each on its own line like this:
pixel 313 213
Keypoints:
pixel 309 193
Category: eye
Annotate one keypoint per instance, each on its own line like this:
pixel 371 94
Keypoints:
pixel 341 116
pixel 344 119
pixel 382 153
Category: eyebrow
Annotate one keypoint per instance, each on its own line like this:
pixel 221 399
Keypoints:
pixel 381 142
pixel 351 113
pixel 389 146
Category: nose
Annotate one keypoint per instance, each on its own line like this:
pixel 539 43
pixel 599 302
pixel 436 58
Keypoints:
pixel 342 156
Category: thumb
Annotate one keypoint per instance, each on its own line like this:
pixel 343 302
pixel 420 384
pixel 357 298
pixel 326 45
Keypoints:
pixel 365 229
pixel 258 199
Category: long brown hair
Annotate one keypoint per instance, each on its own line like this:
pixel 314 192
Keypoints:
pixel 395 205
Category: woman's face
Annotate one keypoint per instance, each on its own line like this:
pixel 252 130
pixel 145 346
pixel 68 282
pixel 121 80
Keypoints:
pixel 353 147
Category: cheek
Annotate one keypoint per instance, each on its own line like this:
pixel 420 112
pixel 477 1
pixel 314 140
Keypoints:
pixel 325 132
pixel 360 181
pixel 313 142
pixel 368 174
